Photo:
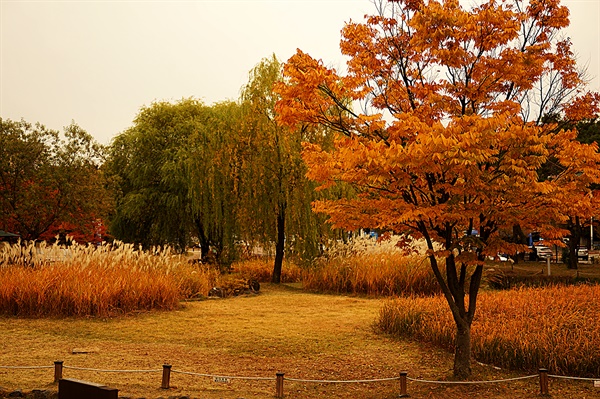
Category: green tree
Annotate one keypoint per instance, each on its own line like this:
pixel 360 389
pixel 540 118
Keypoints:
pixel 214 159
pixel 276 195
pixel 175 174
pixel 50 182
pixel 152 186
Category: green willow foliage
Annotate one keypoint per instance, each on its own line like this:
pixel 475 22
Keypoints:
pixel 221 176
pixel 152 189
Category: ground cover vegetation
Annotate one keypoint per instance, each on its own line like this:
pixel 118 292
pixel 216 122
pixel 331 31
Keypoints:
pixel 305 335
pixel 519 330
pixel 365 266
pixel 474 130
pixel 99 281
pixel 450 144
pixel 523 329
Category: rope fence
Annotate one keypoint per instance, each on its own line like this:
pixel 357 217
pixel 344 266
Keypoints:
pixel 279 378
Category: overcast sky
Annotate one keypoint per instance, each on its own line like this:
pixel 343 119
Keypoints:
pixel 98 62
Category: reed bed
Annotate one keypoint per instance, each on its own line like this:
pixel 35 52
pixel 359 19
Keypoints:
pixel 523 329
pixel 261 270
pixel 40 280
pixel 370 268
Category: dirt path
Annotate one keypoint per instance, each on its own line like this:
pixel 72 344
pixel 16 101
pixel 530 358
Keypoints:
pixel 284 329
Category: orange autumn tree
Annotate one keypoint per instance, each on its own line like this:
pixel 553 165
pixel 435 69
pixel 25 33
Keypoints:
pixel 448 145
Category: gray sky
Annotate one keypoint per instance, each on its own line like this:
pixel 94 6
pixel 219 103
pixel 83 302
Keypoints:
pixel 97 62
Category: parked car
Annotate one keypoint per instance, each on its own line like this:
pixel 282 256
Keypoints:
pixel 540 252
pixel 582 253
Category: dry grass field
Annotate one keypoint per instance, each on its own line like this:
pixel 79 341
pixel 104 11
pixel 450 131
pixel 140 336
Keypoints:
pixel 283 329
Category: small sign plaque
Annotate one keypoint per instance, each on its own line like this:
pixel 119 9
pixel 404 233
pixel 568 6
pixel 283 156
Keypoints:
pixel 597 384
pixel 223 380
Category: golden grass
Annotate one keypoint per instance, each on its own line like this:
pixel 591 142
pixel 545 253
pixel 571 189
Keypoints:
pixel 95 281
pixel 261 270
pixel 304 335
pixel 372 273
pixel 557 327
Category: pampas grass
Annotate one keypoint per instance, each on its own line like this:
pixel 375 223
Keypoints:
pixel 553 327
pixel 41 280
pixel 373 268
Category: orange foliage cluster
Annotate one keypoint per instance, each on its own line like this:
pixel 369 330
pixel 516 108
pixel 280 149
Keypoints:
pixel 585 107
pixel 448 143
pixel 447 138
pixel 95 281
pixel 556 327
pixel 372 273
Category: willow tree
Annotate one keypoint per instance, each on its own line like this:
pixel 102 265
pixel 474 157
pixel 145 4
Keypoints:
pixel 148 171
pixel 444 144
pixel 213 160
pixel 276 193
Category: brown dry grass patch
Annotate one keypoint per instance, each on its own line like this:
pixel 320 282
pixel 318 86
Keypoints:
pixel 305 335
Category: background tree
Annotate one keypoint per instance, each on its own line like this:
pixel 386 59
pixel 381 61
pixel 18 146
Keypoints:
pixel 147 165
pixel 275 192
pixel 581 115
pixel 50 183
pixel 214 159
pixel 175 172
pixel 446 142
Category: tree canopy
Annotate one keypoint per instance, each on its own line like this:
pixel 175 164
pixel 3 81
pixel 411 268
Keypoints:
pixel 223 176
pixel 276 194
pixel 448 142
pixel 148 166
pixel 51 183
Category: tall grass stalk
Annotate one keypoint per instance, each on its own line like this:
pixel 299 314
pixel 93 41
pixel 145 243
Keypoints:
pixel 371 269
pixel 41 280
pixel 553 327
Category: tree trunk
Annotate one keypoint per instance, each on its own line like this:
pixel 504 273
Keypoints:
pixel 518 237
pixel 462 352
pixel 453 288
pixel 279 246
pixel 574 237
pixel 204 243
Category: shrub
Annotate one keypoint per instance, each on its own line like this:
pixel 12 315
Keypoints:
pixel 526 328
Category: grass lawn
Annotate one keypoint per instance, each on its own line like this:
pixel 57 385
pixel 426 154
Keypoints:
pixel 284 329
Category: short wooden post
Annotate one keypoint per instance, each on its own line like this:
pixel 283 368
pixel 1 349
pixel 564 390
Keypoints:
pixel 166 376
pixel 279 386
pixel 403 393
pixel 58 369
pixel 544 382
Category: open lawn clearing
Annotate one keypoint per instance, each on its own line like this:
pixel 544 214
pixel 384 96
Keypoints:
pixel 307 336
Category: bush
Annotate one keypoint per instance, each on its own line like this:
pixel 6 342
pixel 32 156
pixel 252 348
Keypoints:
pixel 524 329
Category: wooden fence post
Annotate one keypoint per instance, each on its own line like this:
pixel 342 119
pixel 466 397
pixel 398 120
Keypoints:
pixel 403 393
pixel 166 376
pixel 279 386
pixel 58 369
pixel 544 382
